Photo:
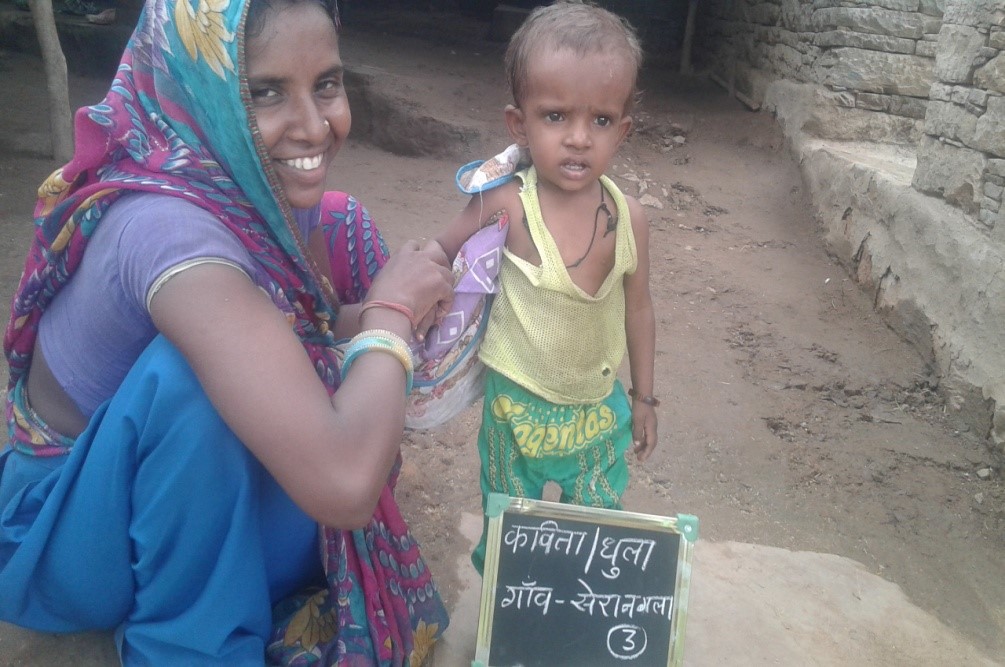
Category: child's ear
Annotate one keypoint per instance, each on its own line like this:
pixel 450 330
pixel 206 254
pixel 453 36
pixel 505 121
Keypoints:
pixel 624 128
pixel 514 123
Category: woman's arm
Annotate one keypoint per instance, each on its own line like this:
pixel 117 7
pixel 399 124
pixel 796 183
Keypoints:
pixel 331 456
pixel 347 323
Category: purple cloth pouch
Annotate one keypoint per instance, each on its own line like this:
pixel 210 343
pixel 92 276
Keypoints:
pixel 448 373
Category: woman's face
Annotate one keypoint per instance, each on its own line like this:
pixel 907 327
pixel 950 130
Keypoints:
pixel 295 78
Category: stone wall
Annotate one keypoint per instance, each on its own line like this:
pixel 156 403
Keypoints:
pixel 962 154
pixel 925 73
pixel 875 58
pixel 896 112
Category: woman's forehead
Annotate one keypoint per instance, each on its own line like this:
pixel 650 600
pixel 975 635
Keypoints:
pixel 292 26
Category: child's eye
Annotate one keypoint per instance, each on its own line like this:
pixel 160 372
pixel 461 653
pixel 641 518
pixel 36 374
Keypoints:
pixel 603 121
pixel 554 117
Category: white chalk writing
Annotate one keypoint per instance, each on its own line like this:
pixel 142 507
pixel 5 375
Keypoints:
pixel 528 595
pixel 630 550
pixel 546 538
pixel 617 605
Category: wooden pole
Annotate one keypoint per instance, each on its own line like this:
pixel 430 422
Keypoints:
pixel 685 56
pixel 60 115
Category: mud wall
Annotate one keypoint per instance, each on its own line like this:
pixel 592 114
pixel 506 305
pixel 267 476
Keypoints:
pixel 896 111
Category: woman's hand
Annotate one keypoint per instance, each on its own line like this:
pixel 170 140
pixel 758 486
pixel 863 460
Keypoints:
pixel 418 278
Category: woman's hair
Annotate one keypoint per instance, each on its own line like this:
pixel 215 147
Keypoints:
pixel 259 9
pixel 575 25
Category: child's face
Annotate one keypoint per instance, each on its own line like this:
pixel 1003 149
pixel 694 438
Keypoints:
pixel 572 116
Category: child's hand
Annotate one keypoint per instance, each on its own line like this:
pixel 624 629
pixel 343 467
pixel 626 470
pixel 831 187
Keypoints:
pixel 644 431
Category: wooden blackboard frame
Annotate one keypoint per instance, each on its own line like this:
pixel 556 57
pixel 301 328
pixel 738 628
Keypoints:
pixel 501 507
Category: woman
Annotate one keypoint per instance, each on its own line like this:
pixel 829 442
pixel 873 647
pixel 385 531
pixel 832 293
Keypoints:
pixel 175 433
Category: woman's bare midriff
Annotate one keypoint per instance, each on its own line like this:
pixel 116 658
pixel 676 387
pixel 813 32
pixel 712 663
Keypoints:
pixel 49 401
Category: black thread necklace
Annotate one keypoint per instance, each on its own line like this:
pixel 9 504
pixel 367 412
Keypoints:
pixel 612 224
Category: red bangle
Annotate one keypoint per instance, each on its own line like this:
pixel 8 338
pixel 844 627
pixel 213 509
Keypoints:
pixel 390 305
pixel 648 400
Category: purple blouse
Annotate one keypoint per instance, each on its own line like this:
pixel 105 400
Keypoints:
pixel 98 325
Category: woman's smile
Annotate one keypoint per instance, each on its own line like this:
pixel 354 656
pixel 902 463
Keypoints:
pixel 304 163
pixel 302 176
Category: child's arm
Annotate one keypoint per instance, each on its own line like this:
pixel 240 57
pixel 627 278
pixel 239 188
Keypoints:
pixel 640 330
pixel 479 209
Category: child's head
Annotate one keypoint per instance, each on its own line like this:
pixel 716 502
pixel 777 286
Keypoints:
pixel 572 68
pixel 576 26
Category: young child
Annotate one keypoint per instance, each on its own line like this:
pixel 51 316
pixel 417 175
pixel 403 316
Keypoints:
pixel 574 281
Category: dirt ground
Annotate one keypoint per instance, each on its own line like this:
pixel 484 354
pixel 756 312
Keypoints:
pixel 793 418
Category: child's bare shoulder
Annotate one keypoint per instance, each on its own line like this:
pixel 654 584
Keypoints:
pixel 637 212
pixel 506 195
pixel 502 199
pixel 480 210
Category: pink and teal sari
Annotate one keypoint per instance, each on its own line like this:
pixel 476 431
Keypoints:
pixel 155 132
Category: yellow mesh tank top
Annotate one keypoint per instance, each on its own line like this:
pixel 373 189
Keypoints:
pixel 547 334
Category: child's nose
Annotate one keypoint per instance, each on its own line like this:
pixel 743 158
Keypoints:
pixel 579 134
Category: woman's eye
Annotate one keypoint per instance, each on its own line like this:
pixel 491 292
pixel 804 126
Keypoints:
pixel 329 86
pixel 263 95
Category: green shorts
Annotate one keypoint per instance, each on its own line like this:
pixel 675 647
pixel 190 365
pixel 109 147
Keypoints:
pixel 525 442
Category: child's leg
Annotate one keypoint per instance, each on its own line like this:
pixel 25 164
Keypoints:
pixel 503 468
pixel 595 477
pixel 597 474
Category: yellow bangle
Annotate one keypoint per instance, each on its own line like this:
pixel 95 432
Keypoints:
pixel 380 340
pixel 380 333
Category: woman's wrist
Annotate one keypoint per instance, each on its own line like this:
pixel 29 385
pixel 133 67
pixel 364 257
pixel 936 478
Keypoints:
pixel 387 319
pixel 369 304
pixel 384 341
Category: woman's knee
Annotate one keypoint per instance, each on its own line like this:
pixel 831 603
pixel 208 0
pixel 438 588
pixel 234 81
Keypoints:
pixel 163 395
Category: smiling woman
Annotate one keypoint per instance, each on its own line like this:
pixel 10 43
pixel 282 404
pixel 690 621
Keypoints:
pixel 298 100
pixel 211 278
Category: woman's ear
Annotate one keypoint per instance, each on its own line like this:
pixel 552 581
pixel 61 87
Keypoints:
pixel 515 125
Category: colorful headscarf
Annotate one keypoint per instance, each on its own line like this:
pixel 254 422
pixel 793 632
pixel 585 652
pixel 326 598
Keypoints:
pixel 176 121
pixel 155 132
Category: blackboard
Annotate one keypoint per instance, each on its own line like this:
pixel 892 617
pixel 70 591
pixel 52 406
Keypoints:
pixel 569 585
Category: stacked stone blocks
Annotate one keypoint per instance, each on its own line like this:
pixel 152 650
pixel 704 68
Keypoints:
pixel 920 86
pixel 962 155
pixel 926 73
pixel 877 55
